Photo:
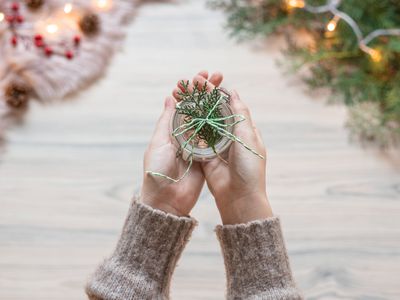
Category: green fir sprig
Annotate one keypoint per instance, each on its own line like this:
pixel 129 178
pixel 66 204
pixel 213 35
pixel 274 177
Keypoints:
pixel 197 104
pixel 333 59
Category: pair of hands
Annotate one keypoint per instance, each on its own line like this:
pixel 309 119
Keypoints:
pixel 238 187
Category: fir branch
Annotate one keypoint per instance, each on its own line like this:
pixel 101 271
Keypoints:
pixel 197 104
pixel 334 60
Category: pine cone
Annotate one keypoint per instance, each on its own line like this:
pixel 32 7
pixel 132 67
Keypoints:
pixel 17 94
pixel 34 4
pixel 90 24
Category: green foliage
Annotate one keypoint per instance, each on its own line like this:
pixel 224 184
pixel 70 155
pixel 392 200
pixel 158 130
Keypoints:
pixel 200 103
pixel 333 58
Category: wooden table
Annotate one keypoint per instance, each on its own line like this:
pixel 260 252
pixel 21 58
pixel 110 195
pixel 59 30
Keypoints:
pixel 68 173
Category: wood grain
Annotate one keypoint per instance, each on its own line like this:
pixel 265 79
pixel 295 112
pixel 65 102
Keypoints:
pixel 68 174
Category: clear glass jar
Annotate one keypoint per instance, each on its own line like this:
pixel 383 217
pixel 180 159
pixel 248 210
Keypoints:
pixel 201 151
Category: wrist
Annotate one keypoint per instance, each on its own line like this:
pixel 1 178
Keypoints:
pixel 157 200
pixel 163 206
pixel 166 207
pixel 238 210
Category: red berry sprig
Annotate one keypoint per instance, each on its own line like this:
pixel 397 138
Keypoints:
pixel 77 40
pixel 15 6
pixel 64 48
pixel 38 40
pixel 14 41
pixel 14 17
pixel 69 54
pixel 48 51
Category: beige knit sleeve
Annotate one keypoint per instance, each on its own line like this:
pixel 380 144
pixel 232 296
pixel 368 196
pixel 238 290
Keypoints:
pixel 256 261
pixel 145 257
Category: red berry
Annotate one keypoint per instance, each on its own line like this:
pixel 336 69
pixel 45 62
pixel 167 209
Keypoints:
pixel 10 19
pixel 38 37
pixel 69 54
pixel 20 19
pixel 14 41
pixel 39 43
pixel 15 6
pixel 77 40
pixel 48 51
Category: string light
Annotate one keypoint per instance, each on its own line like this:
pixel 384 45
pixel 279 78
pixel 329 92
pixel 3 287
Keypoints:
pixel 68 8
pixel 52 28
pixel 332 24
pixel 332 7
pixel 295 3
pixel 103 4
pixel 376 55
pixel 1 17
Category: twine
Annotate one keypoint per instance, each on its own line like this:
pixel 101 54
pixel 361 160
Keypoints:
pixel 197 124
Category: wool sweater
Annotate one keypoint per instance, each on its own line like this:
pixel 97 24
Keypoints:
pixel 141 267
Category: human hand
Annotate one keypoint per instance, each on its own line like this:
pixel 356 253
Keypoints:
pixel 238 187
pixel 176 198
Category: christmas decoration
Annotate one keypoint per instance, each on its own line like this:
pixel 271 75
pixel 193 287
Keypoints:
pixel 58 47
pixel 17 94
pixel 205 124
pixel 90 24
pixel 47 42
pixel 34 4
pixel 352 47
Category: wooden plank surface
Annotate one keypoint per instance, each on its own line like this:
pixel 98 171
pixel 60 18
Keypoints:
pixel 67 175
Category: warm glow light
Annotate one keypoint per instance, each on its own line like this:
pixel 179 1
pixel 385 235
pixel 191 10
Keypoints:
pixel 68 8
pixel 52 28
pixel 103 4
pixel 376 55
pixel 332 24
pixel 1 16
pixel 296 3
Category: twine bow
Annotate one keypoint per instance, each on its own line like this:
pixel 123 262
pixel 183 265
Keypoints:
pixel 196 124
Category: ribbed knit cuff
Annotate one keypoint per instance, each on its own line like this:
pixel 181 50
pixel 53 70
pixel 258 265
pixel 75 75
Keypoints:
pixel 145 257
pixel 256 261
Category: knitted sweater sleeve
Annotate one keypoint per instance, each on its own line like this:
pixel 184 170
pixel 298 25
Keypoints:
pixel 145 257
pixel 256 261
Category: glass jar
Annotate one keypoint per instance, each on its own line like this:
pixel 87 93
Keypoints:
pixel 200 150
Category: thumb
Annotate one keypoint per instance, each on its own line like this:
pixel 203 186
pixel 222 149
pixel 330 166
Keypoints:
pixel 162 132
pixel 239 106
pixel 245 129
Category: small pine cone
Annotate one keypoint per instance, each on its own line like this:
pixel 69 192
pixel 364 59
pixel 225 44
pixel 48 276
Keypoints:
pixel 17 94
pixel 34 4
pixel 90 24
